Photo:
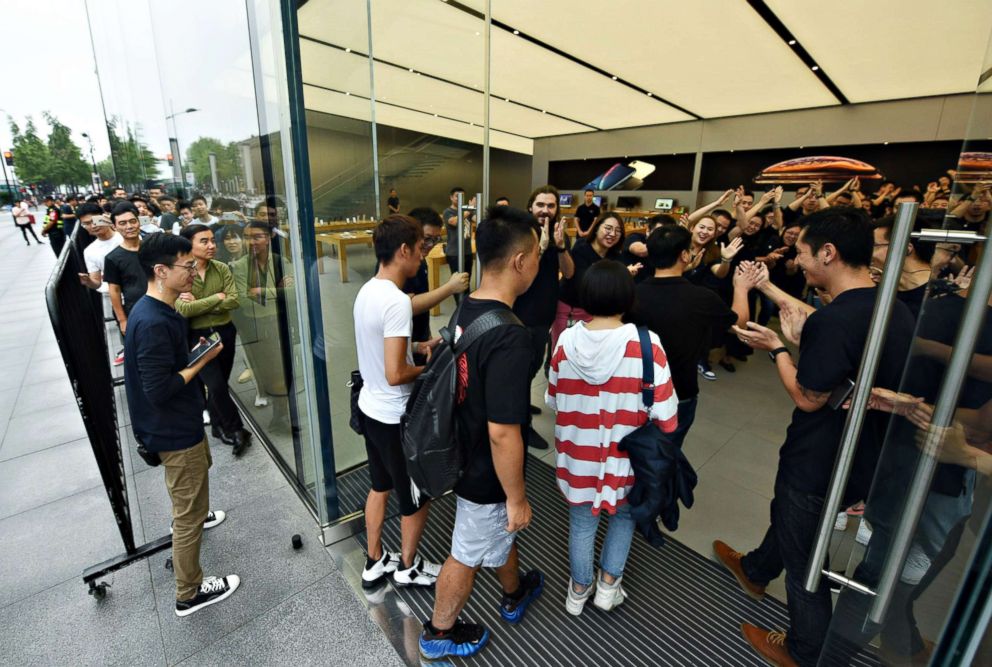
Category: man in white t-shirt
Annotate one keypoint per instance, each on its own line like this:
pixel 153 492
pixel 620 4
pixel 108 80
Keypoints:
pixel 106 238
pixel 383 325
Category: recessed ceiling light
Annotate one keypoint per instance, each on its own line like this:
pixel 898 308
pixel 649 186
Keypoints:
pixel 885 143
pixel 792 42
pixel 348 50
pixel 477 33
pixel 543 111
pixel 347 93
pixel 650 94
pixel 516 32
pixel 435 115
pixel 418 73
pixel 507 99
pixel 411 69
pixel 731 150
pixel 816 68
pixel 801 147
pixel 614 78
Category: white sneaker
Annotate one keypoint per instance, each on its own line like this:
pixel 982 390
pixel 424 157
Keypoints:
pixel 374 575
pixel 246 375
pixel 212 590
pixel 421 573
pixel 574 602
pixel 214 518
pixel 609 596
pixel 261 401
pixel 206 418
pixel 840 523
pixel 864 533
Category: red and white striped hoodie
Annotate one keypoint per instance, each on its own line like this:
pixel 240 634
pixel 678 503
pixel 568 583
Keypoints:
pixel 595 387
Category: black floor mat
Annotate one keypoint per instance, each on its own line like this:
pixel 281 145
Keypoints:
pixel 682 609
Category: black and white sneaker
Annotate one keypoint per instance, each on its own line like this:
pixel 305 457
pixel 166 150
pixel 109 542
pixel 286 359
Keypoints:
pixel 212 590
pixel 375 572
pixel 705 371
pixel 214 517
pixel 421 573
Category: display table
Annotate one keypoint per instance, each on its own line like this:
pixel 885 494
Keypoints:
pixel 339 242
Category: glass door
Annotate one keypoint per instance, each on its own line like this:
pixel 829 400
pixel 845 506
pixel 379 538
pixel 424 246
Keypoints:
pixel 914 570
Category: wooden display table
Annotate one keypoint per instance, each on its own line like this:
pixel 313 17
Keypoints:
pixel 339 241
pixel 329 226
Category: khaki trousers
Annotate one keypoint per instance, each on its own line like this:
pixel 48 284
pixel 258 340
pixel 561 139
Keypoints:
pixel 189 488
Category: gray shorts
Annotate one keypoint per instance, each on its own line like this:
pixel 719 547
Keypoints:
pixel 480 536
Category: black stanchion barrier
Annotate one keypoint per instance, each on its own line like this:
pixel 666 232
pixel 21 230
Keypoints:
pixel 76 313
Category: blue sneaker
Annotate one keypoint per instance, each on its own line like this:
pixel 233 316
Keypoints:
pixel 462 640
pixel 512 610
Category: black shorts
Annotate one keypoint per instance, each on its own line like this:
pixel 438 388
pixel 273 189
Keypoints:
pixel 387 466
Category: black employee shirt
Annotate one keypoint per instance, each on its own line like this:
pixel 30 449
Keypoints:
pixel 166 412
pixel 586 215
pixel 493 386
pixel 683 315
pixel 121 267
pixel 537 306
pixel 583 256
pixel 629 258
pixel 830 350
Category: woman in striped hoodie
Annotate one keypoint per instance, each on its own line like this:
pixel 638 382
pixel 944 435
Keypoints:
pixel 594 385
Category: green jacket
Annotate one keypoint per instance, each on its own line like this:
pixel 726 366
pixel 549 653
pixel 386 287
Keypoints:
pixel 208 310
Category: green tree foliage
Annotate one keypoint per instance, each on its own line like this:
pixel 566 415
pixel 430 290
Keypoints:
pixel 198 160
pixel 133 162
pixel 32 160
pixel 66 165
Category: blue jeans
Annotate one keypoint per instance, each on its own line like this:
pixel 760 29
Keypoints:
pixel 582 542
pixel 687 415
pixel 795 516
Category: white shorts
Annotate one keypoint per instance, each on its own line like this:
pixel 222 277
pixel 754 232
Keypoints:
pixel 480 536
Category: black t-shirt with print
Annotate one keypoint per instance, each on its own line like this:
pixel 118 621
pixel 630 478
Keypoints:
pixel 586 215
pixel 830 351
pixel 494 386
pixel 121 267
pixel 683 315
pixel 584 256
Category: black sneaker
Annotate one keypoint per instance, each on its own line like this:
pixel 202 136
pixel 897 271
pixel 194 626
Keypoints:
pixel 463 640
pixel 213 589
pixel 512 610
pixel 213 518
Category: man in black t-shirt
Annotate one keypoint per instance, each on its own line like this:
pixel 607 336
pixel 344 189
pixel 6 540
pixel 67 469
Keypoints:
pixel 834 251
pixel 492 413
pixel 126 280
pixel 537 307
pixel 393 203
pixel 586 214
pixel 68 214
pixel 683 314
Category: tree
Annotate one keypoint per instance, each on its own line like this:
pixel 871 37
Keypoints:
pixel 66 166
pixel 134 163
pixel 32 159
pixel 198 160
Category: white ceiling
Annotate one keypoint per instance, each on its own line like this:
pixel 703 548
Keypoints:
pixel 712 58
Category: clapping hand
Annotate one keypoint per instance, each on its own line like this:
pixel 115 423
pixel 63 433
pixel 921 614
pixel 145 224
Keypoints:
pixel 963 279
pixel 560 235
pixel 730 250
pixel 793 320
pixel 758 337
pixel 635 268
pixel 748 275
pixel 726 195
pixel 777 192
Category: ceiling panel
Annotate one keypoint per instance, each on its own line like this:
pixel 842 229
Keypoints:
pixel 714 58
pixel 318 99
pixel 916 48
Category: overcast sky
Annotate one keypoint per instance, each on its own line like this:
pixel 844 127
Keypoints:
pixel 151 53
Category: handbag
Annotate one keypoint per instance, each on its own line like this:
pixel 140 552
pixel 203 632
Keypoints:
pixel 357 421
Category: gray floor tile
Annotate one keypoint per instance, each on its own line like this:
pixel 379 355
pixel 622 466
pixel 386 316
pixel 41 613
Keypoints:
pixel 13 377
pixel 322 625
pixel 56 542
pixel 253 543
pixel 45 370
pixel 748 460
pixel 42 477
pixel 53 397
pixel 65 626
pixel 35 432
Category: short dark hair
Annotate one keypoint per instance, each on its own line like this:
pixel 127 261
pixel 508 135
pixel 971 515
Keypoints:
pixel 847 229
pixel 542 190
pixel 122 207
pixel 666 244
pixel 192 229
pixel 504 232
pixel 393 233
pixel 455 190
pixel 166 198
pixel 161 249
pixel 661 219
pixel 252 224
pixel 198 198
pixel 499 199
pixel 721 212
pixel 88 208
pixel 271 201
pixel 607 288
pixel 183 204
pixel 226 204
pixel 588 190
pixel 909 192
pixel 425 215
pixel 134 198
pixel 925 218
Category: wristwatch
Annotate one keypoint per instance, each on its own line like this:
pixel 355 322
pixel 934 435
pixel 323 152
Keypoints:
pixel 778 350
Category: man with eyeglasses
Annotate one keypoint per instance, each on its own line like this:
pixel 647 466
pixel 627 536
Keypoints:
pixel 126 280
pixel 165 405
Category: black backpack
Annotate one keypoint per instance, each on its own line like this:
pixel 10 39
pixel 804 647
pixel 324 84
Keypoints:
pixel 435 458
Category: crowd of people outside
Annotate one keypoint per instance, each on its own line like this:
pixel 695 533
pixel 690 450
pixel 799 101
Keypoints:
pixel 596 313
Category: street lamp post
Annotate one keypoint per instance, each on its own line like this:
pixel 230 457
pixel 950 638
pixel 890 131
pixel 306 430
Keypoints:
pixel 96 173
pixel 177 167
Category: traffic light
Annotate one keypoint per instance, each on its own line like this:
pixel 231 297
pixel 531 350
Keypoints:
pixel 168 156
pixel 8 157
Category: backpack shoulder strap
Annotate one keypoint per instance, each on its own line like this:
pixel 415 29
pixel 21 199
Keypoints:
pixel 647 361
pixel 483 324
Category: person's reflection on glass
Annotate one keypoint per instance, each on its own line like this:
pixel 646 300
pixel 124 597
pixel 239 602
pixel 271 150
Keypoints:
pixel 256 278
